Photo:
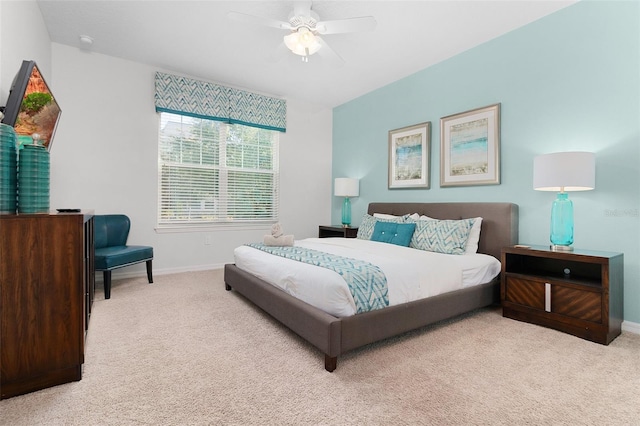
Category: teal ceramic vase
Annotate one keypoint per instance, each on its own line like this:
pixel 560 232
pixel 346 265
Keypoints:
pixel 33 179
pixel 8 170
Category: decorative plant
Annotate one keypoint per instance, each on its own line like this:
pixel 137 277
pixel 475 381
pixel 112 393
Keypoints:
pixel 33 102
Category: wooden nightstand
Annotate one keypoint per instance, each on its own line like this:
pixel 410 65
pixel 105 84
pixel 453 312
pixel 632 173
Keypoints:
pixel 337 231
pixel 577 292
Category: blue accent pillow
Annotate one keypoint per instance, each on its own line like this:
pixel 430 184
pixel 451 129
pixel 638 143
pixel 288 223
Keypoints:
pixel 394 233
pixel 365 230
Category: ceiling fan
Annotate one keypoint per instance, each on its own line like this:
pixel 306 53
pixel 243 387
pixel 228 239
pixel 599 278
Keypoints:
pixel 305 27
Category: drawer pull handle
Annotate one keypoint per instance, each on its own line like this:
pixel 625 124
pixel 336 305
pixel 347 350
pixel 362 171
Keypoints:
pixel 547 297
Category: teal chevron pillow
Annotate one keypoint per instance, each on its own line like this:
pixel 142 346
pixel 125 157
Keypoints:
pixel 442 236
pixel 393 232
pixel 365 230
pixel 366 227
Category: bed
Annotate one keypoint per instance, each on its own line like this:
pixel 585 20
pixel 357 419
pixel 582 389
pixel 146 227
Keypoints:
pixel 335 335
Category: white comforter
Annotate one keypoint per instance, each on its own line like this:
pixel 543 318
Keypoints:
pixel 411 274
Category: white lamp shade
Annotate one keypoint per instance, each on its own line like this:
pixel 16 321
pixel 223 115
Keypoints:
pixel 564 171
pixel 346 187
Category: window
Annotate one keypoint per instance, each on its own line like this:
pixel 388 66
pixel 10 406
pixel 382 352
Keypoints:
pixel 214 173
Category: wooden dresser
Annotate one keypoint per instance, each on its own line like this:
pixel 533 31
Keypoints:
pixel 46 291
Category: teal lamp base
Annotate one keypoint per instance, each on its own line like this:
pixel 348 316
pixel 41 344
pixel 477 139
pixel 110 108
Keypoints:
pixel 346 212
pixel 562 223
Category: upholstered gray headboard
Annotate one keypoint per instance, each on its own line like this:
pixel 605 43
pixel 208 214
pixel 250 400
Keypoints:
pixel 499 220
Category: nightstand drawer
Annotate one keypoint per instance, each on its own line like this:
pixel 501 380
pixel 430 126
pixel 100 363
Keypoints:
pixel 525 292
pixel 553 297
pixel 584 305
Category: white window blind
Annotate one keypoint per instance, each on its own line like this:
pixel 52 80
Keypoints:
pixel 214 173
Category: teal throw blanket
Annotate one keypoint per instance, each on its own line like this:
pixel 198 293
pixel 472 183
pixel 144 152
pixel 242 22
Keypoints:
pixel 367 283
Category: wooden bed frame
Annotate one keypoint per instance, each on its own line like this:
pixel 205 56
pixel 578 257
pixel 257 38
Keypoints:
pixel 337 335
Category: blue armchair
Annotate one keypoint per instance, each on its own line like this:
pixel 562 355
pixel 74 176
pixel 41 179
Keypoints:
pixel 112 251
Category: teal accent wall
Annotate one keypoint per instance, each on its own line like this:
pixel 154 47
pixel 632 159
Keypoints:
pixel 569 81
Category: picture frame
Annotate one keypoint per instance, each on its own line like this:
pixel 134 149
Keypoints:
pixel 470 147
pixel 409 156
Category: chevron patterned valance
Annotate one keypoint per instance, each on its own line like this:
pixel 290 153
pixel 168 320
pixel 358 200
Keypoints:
pixel 215 102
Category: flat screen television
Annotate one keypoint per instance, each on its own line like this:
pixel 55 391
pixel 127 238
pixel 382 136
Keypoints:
pixel 31 107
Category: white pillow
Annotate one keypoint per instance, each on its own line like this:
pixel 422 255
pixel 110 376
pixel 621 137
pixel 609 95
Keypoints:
pixel 386 216
pixel 414 216
pixel 474 235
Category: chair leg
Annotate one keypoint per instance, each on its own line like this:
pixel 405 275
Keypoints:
pixel 107 284
pixel 149 273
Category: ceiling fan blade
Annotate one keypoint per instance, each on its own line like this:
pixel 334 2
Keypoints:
pixel 251 19
pixel 329 55
pixel 279 53
pixel 302 8
pixel 350 25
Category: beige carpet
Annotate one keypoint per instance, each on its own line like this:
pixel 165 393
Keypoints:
pixel 185 351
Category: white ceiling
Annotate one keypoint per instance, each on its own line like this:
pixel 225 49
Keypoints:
pixel 196 38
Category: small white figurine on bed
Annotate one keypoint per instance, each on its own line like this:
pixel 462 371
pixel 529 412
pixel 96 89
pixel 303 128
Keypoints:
pixel 277 238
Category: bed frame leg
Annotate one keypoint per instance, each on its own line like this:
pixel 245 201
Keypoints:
pixel 330 363
pixel 227 287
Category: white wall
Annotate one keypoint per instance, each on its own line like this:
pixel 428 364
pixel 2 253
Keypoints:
pixel 18 44
pixel 104 158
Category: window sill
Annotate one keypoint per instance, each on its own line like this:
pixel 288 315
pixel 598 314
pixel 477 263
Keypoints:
pixel 186 228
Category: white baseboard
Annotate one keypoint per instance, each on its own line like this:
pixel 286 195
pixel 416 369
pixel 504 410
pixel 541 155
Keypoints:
pixel 123 273
pixel 631 327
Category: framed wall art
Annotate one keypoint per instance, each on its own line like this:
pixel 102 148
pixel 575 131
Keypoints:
pixel 409 156
pixel 470 147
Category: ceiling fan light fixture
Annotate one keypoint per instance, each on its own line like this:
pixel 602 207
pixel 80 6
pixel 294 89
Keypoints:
pixel 302 42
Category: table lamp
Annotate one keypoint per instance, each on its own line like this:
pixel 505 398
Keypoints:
pixel 346 187
pixel 563 172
